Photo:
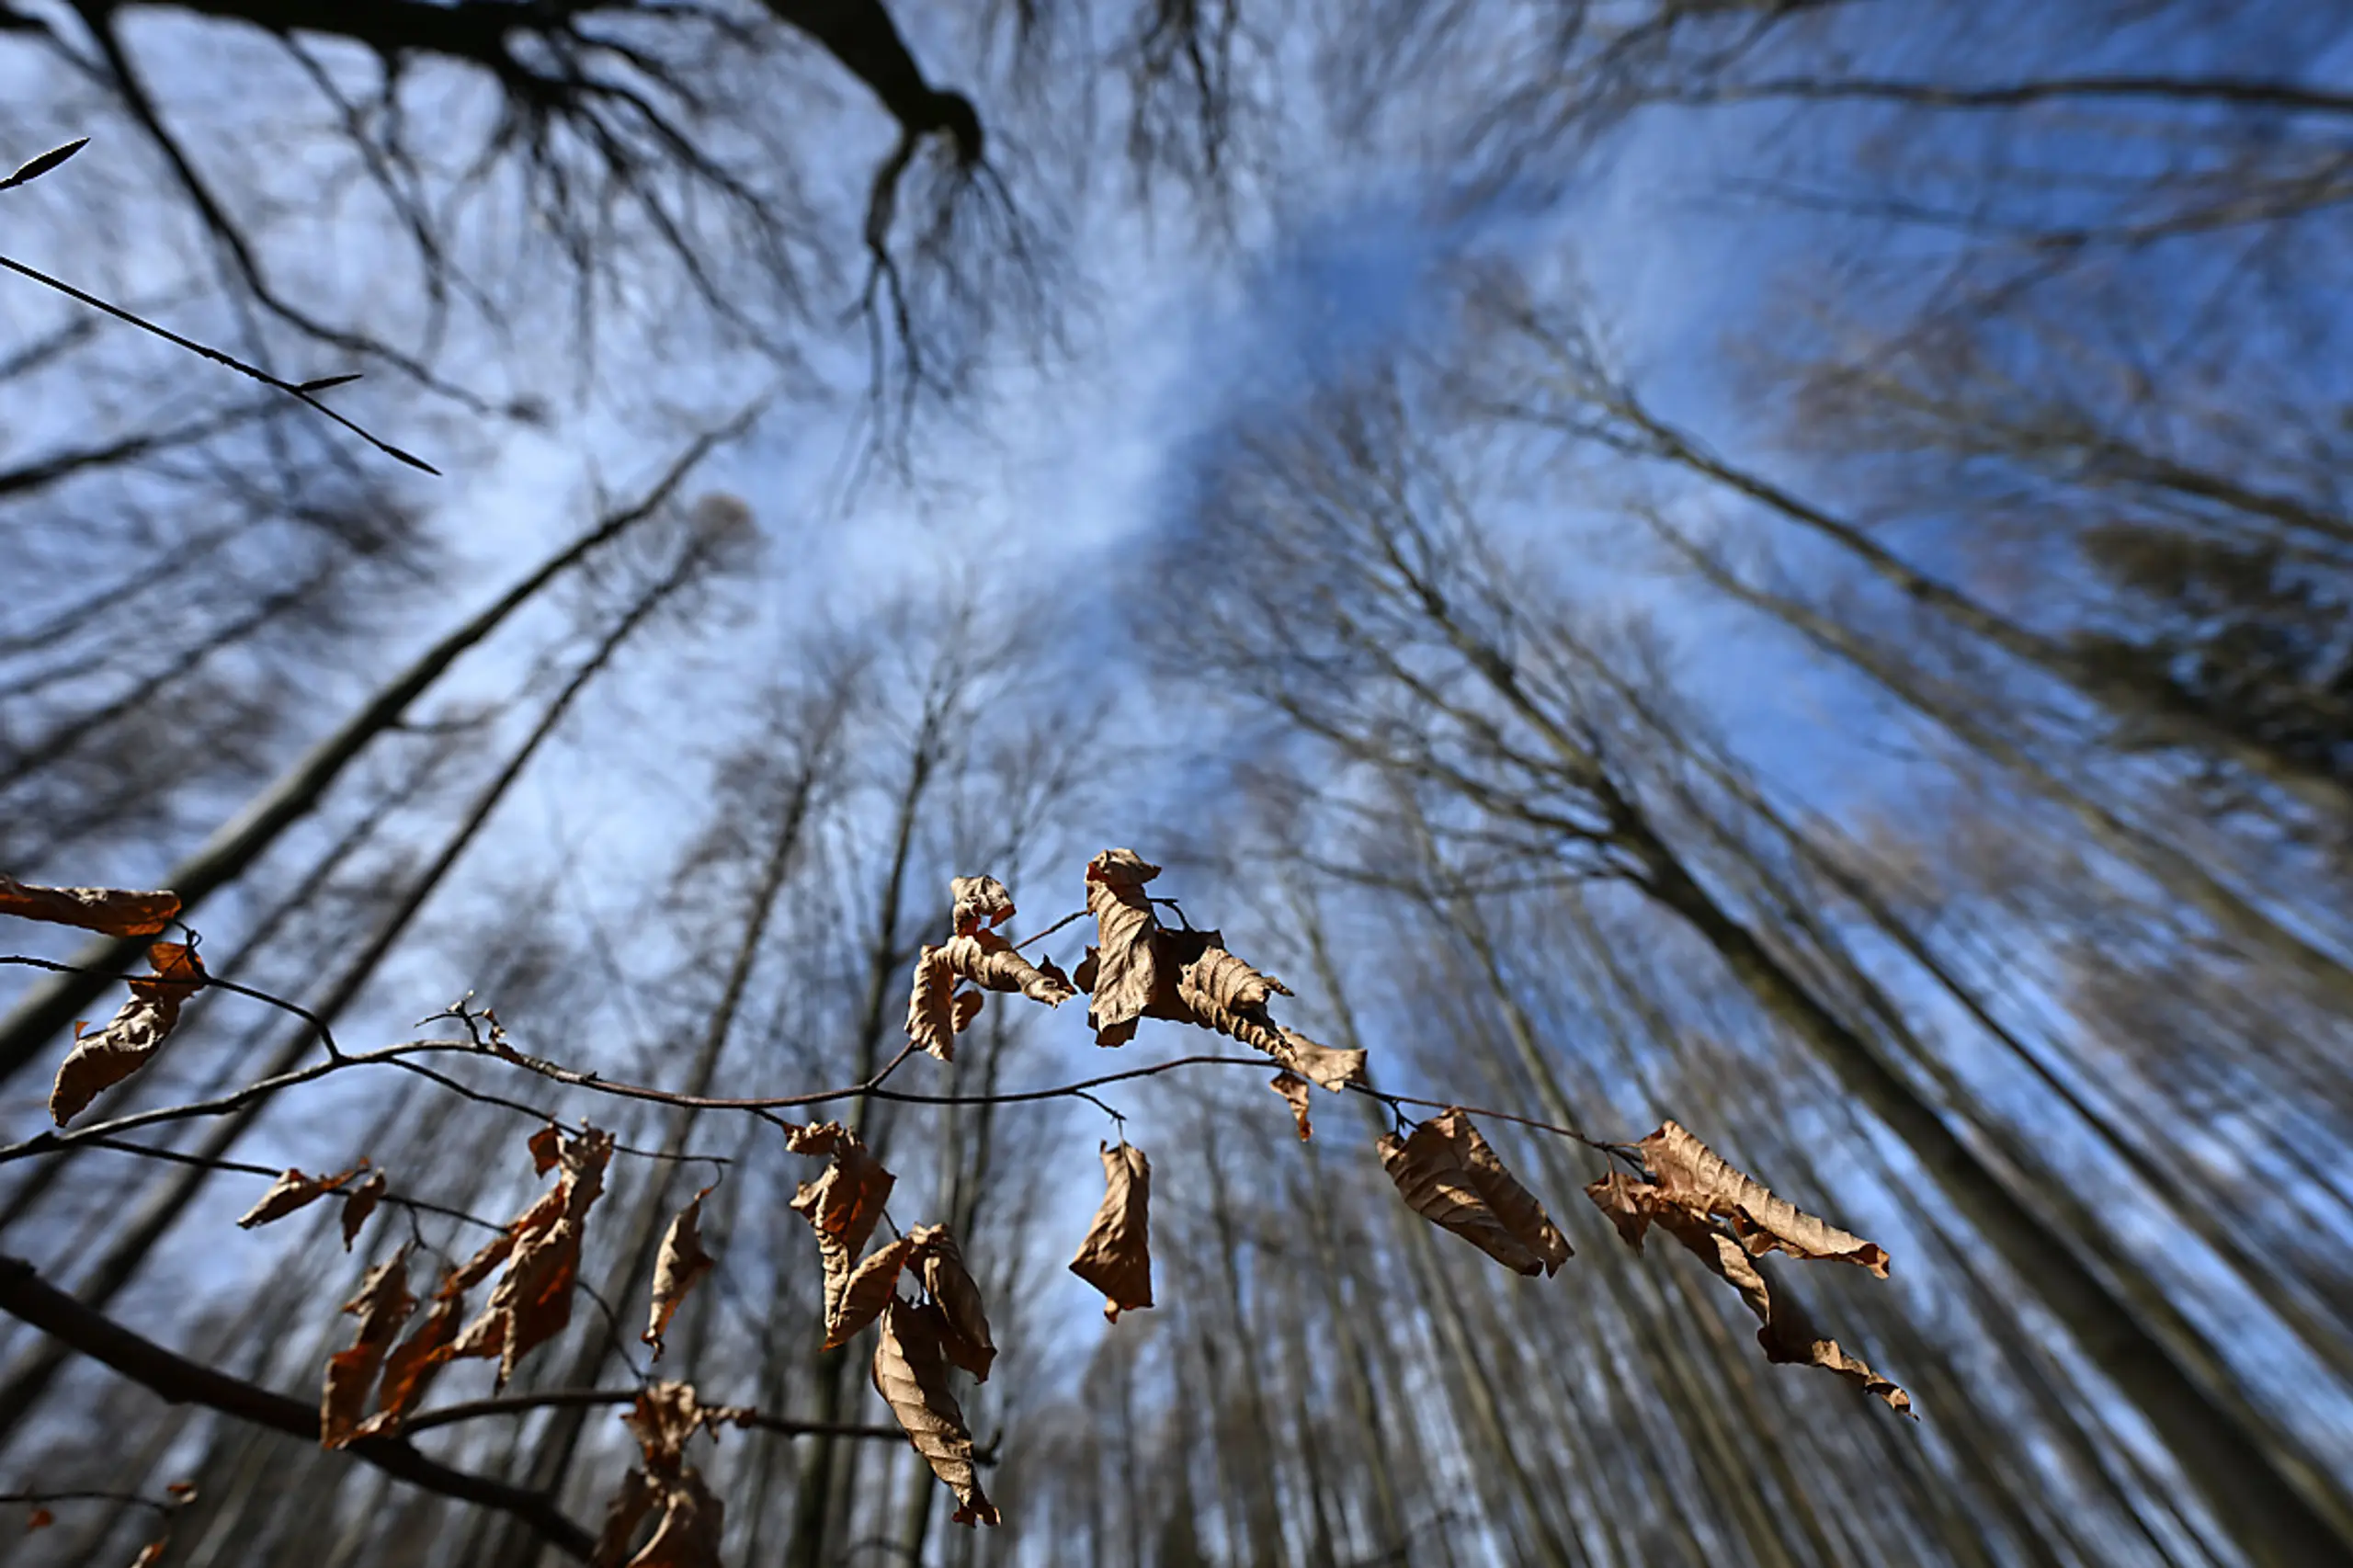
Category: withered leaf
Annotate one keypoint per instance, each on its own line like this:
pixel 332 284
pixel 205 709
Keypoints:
pixel 1296 1090
pixel 931 1007
pixel 1693 1175
pixel 106 1057
pixel 412 1365
pixel 1115 1256
pixel 357 1206
pixel 988 961
pixel 865 1292
pixel 113 911
pixel 532 1300
pixel 1126 968
pixel 39 1519
pixel 688 1533
pixel 677 1267
pixel 966 1008
pixel 291 1192
pixel 149 1554
pixel 1784 1332
pixel 1328 1066
pixel 910 1375
pixel 843 1205
pixel 183 1491
pixel 964 1321
pixel 979 901
pixel 1449 1176
pixel 546 1146
pixel 383 1305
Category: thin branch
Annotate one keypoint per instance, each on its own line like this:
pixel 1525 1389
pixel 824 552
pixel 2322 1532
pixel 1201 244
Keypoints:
pixel 572 1399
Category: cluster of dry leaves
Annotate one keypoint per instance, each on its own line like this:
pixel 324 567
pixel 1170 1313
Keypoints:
pixel 1137 968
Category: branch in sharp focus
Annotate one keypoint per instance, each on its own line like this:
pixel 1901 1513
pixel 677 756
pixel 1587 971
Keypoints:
pixel 26 1296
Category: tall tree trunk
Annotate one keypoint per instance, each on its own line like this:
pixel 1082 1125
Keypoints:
pixel 55 1002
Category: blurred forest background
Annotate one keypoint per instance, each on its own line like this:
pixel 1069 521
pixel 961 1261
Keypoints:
pixel 1782 564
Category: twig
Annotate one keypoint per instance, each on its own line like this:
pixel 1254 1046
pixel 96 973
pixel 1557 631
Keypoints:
pixel 575 1399
pixel 212 982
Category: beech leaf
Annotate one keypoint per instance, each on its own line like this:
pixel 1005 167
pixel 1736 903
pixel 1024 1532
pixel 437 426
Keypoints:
pixel 1325 1065
pixel 968 1007
pixel 39 1519
pixel 911 1374
pixel 843 1205
pixel 964 1321
pixel 113 911
pixel 292 1192
pixel 383 1305
pixel 1449 1176
pixel 532 1300
pixel 1693 1175
pixel 931 1008
pixel 1296 1091
pixel 1784 1332
pixel 104 1058
pixel 979 901
pixel 546 1145
pixel 1115 1256
pixel 677 1267
pixel 412 1365
pixel 1126 970
pixel 692 1521
pixel 868 1290
pixel 989 961
pixel 359 1205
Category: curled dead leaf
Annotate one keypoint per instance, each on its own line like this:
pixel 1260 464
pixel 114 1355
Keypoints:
pixel 1785 1333
pixel 688 1533
pixel 532 1300
pixel 1448 1175
pixel 113 911
pixel 865 1292
pixel 1125 967
pixel 546 1146
pixel 988 961
pixel 979 901
pixel 680 1261
pixel 383 1305
pixel 966 1008
pixel 412 1365
pixel 291 1192
pixel 1696 1176
pixel 1323 1065
pixel 1297 1092
pixel 359 1205
pixel 843 1205
pixel 964 1321
pixel 106 1057
pixel 1115 1256
pixel 911 1374
pixel 39 1519
pixel 931 1007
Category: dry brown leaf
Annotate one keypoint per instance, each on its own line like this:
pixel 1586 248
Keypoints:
pixel 291 1192
pixel 39 1519
pixel 1126 969
pixel 183 1490
pixel 532 1300
pixel 1695 1175
pixel 383 1305
pixel 1115 1256
pixel 864 1292
pixel 979 901
pixel 412 1365
pixel 106 1057
pixel 689 1532
pixel 359 1206
pixel 1784 1332
pixel 967 1008
pixel 989 961
pixel 110 910
pixel 964 1320
pixel 931 1007
pixel 149 1554
pixel 677 1267
pixel 1323 1064
pixel 1449 1176
pixel 1296 1091
pixel 546 1146
pixel 843 1205
pixel 1217 981
pixel 910 1375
